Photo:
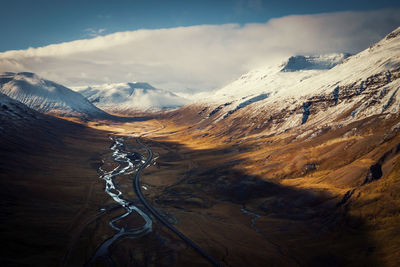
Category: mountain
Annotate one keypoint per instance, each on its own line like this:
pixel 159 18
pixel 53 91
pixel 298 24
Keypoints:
pixel 46 96
pixel 130 97
pixel 271 79
pixel 321 62
pixel 273 99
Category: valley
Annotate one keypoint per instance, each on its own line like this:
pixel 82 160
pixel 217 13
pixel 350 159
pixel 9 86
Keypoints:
pixel 208 185
pixel 274 199
pixel 295 164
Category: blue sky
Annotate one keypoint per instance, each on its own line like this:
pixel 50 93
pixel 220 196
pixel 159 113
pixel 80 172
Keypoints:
pixel 28 23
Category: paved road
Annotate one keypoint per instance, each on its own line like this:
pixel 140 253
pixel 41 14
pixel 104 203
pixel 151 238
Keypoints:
pixel 158 215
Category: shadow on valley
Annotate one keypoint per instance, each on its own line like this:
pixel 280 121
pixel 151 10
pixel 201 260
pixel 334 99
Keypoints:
pixel 241 219
pixel 291 227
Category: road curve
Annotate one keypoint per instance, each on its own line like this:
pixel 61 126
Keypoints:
pixel 158 215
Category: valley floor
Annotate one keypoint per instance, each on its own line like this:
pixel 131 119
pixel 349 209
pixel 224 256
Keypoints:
pixel 254 201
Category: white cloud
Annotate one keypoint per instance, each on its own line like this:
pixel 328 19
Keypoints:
pixel 199 57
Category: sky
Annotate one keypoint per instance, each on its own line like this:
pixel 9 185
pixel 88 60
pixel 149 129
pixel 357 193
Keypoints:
pixel 183 46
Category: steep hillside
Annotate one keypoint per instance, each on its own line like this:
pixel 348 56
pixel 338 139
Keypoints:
pixel 271 100
pixel 46 96
pixel 25 129
pixel 125 98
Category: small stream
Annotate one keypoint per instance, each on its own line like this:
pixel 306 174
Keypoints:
pixel 128 162
pixel 254 216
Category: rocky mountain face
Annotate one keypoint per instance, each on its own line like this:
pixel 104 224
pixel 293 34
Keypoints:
pixel 125 98
pixel 46 96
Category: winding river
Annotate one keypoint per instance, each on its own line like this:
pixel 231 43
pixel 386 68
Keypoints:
pixel 127 163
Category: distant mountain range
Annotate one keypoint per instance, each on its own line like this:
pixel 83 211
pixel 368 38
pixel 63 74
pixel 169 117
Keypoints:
pixel 89 101
pixel 130 97
pixel 303 90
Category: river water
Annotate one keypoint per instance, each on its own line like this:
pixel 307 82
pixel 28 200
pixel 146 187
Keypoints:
pixel 128 163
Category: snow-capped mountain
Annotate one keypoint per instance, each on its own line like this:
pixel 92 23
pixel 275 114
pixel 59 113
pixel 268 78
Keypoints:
pixel 274 99
pixel 321 62
pixel 130 97
pixel 46 96
pixel 271 79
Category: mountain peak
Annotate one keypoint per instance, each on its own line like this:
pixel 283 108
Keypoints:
pixel 320 62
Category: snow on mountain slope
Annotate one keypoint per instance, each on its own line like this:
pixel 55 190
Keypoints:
pixel 321 62
pixel 274 100
pixel 11 110
pixel 130 97
pixel 46 96
pixel 271 79
pixel 18 122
